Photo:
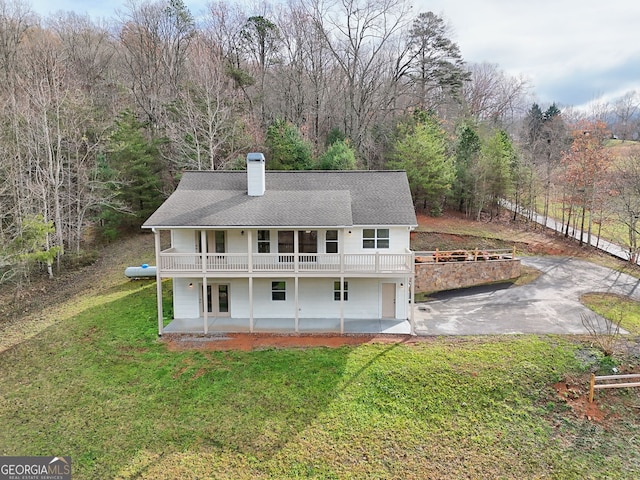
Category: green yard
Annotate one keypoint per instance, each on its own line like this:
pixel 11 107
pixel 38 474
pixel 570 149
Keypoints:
pixel 100 387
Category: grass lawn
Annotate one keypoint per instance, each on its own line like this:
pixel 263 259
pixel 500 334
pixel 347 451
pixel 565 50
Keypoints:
pixel 615 308
pixel 101 388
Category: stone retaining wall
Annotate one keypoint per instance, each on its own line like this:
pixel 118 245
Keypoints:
pixel 433 277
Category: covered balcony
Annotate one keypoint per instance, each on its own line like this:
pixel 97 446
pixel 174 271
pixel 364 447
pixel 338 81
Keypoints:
pixel 173 262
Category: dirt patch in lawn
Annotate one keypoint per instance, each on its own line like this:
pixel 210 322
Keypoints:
pixel 261 341
pixel 576 396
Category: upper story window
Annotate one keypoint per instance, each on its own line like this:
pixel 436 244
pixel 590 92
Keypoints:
pixel 375 238
pixel 220 241
pixel 264 241
pixel 308 241
pixel 215 241
pixel 331 241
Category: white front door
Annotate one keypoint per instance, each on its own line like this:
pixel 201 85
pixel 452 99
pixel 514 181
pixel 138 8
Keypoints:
pixel 217 300
pixel 388 300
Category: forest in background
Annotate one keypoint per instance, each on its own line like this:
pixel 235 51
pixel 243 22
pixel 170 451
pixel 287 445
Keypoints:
pixel 99 118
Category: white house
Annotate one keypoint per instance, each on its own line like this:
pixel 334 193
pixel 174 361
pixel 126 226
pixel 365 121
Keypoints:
pixel 287 251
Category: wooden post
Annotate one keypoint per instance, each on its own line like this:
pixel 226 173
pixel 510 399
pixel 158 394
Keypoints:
pixel 513 255
pixel 592 386
pixel 475 255
pixel 436 254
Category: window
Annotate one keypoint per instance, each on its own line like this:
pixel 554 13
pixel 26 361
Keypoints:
pixel 375 238
pixel 336 291
pixel 285 241
pixel 278 291
pixel 308 241
pixel 219 239
pixel 264 241
pixel 331 244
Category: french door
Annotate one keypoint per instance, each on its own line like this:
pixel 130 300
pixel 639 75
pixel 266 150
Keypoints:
pixel 217 300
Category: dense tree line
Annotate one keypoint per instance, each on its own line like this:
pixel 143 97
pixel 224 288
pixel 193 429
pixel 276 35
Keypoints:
pixel 99 118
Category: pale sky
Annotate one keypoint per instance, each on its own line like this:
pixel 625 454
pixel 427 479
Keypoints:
pixel 571 51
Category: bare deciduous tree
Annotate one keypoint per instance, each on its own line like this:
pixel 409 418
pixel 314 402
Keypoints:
pixel 492 95
pixel 360 36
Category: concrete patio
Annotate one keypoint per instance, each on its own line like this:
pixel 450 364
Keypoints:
pixel 217 325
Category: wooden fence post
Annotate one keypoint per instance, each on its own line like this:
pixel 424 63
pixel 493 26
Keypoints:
pixel 592 385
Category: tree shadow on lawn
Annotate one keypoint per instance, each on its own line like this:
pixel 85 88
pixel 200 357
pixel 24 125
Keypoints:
pixel 101 388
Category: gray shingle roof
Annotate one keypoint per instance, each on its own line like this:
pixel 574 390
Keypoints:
pixel 292 198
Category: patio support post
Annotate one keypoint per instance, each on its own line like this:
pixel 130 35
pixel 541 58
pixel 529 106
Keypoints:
pixel 412 321
pixel 205 304
pixel 342 304
pixel 295 296
pixel 205 298
pixel 156 237
pixel 250 304
pixel 296 252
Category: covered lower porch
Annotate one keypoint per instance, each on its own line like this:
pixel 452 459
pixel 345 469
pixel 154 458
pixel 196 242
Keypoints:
pixel 216 325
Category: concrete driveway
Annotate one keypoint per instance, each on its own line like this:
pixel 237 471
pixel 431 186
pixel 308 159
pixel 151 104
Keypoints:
pixel 550 304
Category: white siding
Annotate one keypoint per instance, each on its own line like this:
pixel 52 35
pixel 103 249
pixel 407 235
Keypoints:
pixel 236 241
pixel 316 299
pixel 238 297
pixel 186 299
pixel 184 241
pixel 264 307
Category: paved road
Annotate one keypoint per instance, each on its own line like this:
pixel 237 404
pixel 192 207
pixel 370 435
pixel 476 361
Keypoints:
pixel 554 224
pixel 550 304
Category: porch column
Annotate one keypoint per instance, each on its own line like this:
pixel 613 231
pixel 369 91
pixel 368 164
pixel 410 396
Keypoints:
pixel 296 251
pixel 205 298
pixel 203 250
pixel 205 304
pixel 156 237
pixel 342 305
pixel 412 322
pixel 341 249
pixel 295 296
pixel 250 250
pixel 250 304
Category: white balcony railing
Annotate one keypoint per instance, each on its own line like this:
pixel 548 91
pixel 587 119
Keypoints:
pixel 173 262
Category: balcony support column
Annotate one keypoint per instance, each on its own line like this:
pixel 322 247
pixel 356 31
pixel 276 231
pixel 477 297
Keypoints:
pixel 296 286
pixel 250 304
pixel 156 238
pixel 412 298
pixel 296 251
pixel 205 304
pixel 341 304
